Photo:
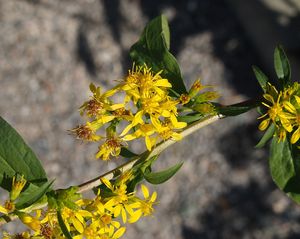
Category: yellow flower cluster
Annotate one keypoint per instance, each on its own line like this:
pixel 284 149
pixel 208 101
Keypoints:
pixel 283 110
pixel 102 217
pixel 147 109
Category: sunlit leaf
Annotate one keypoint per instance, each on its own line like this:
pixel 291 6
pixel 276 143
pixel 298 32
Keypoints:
pixel 17 157
pixel 152 49
pixel 162 176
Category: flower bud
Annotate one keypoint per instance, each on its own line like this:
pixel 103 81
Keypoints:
pixel 18 183
pixel 196 87
pixel 207 96
pixel 184 99
pixel 205 108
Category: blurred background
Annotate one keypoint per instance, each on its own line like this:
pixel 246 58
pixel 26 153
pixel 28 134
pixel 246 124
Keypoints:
pixel 50 51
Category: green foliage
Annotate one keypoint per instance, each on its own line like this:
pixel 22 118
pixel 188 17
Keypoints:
pixel 64 198
pixel 63 226
pixel 235 109
pixel 284 161
pixel 292 188
pixel 139 170
pixel 162 176
pixel 284 165
pixel 190 118
pixel 126 153
pixel 152 49
pixel 261 78
pixel 17 157
pixel 281 162
pixel 282 66
pixel 32 194
pixel 266 137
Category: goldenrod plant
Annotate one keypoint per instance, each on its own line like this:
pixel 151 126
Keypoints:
pixel 150 103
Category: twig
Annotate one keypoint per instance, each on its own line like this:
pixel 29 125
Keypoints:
pixel 157 150
pixel 144 156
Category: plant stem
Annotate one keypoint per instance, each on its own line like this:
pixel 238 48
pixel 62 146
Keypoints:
pixel 144 156
pixel 156 151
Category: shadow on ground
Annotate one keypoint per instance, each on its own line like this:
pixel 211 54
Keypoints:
pixel 234 214
pixel 238 146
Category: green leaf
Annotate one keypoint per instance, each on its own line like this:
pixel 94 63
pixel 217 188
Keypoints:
pixel 267 135
pixel 17 157
pixel 281 163
pixel 63 226
pixel 146 165
pixel 138 177
pixel 282 66
pixel 152 49
pixel 32 194
pixel 126 153
pixel 261 78
pixel 155 30
pixel 139 169
pixel 190 118
pixel 236 109
pixel 292 188
pixel 162 176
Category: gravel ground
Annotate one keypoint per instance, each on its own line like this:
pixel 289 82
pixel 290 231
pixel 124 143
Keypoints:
pixel 50 50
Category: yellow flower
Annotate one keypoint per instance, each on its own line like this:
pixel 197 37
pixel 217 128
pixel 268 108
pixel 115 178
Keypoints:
pixel 50 231
pixel 275 112
pixel 154 110
pixel 9 207
pixel 120 203
pixel 32 222
pixel 88 132
pixel 76 218
pixel 144 130
pixel 144 207
pixel 102 217
pixel 283 110
pixel 90 232
pixel 141 82
pixel 294 117
pixel 111 234
pixel 111 147
pixel 166 129
pixel 99 105
pixel 168 107
pixel 122 113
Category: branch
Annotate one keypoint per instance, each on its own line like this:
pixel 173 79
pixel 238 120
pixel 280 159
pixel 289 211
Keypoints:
pixel 147 155
pixel 144 156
